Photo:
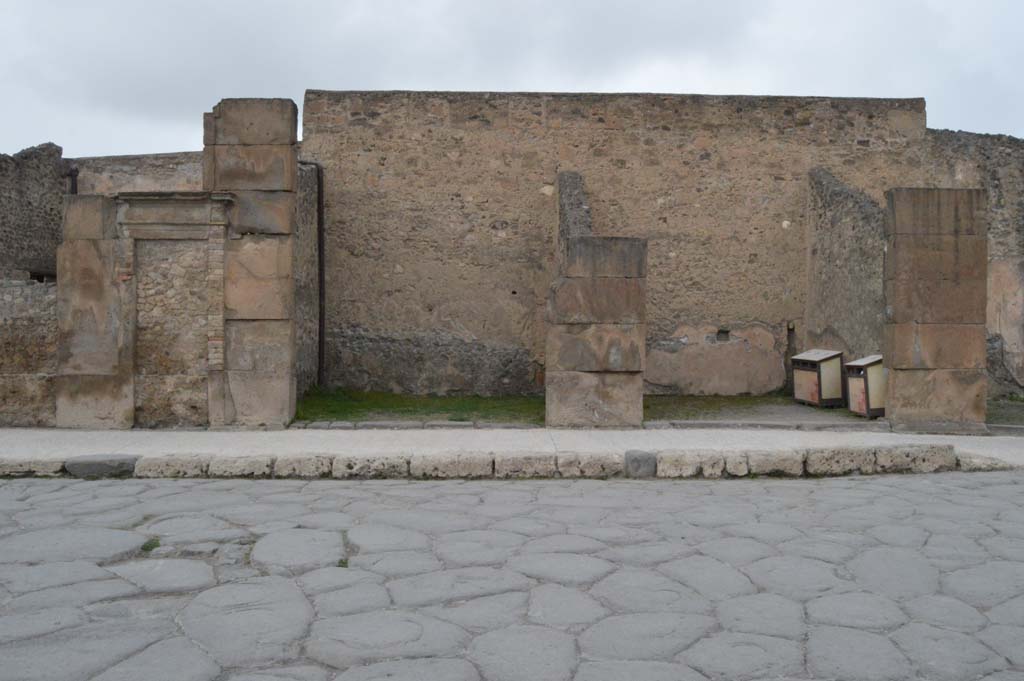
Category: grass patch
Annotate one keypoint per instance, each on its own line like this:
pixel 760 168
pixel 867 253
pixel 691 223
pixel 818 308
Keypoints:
pixel 1008 411
pixel 343 563
pixel 349 405
pixel 150 544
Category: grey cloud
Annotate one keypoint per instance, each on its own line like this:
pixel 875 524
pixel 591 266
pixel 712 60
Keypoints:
pixel 111 76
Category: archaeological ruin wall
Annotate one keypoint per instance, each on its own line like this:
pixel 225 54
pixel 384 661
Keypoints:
pixel 32 187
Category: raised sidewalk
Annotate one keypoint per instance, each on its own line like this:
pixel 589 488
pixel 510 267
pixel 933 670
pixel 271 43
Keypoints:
pixel 498 452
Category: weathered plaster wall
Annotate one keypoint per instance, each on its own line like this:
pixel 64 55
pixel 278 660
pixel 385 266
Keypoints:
pixel 307 285
pixel 179 171
pixel 28 352
pixel 440 219
pixel 845 252
pixel 32 186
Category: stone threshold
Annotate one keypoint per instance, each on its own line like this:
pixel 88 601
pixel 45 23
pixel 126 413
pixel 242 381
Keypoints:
pixel 807 462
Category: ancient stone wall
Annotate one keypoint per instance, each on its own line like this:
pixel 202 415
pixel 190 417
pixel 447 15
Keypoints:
pixel 845 252
pixel 32 187
pixel 180 171
pixel 28 352
pixel 441 216
pixel 306 269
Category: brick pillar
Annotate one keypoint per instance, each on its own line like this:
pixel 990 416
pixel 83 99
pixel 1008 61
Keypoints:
pixel 250 151
pixel 936 269
pixel 95 385
pixel 596 334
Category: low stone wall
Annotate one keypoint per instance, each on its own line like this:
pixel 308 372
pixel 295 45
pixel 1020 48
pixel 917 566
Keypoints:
pixel 176 172
pixel 28 352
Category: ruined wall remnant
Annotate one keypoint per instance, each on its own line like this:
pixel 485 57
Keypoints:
pixel 440 207
pixel 28 352
pixel 306 270
pixel 845 254
pixel 32 186
pixel 935 304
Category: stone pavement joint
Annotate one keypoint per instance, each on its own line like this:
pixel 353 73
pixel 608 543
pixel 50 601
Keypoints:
pixel 901 577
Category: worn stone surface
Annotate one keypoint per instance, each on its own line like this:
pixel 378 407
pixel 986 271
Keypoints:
pixel 597 301
pixel 605 256
pixel 595 347
pixel 101 465
pixel 298 551
pixel 888 577
pixel 576 398
pixel 32 186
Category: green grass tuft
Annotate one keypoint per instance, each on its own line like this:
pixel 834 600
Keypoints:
pixel 350 405
pixel 150 544
pixel 343 563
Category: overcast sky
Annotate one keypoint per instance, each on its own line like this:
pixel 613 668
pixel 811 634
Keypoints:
pixel 111 77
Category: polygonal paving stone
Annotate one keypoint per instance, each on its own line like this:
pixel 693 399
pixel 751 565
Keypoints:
pixel 559 606
pixel 738 657
pixel 1010 612
pixel 646 554
pixel 193 528
pixel 298 551
pixel 72 595
pixel 563 543
pixel 39 622
pixel 819 549
pixel 376 636
pixel 525 653
pixel 186 502
pixel 763 613
pixel 770 533
pixel 397 563
pixel 1007 641
pixel 952 551
pixel 640 590
pixel 484 613
pixel 840 653
pixel 258 621
pixel 453 585
pixel 794 577
pixel 1007 548
pixel 412 670
pixel 259 513
pixel 326 521
pixel 857 610
pixel 613 670
pixel 305 672
pixel 175 658
pixel 986 586
pixel 711 578
pixel 334 578
pixel 79 653
pixel 167 575
pixel 643 635
pixel 564 568
pixel 477 547
pixel 532 527
pixel 946 655
pixel 736 550
pixel 375 538
pixel 69 544
pixel 430 521
pixel 358 598
pixel 946 612
pixel 908 536
pixel 895 572
pixel 24 578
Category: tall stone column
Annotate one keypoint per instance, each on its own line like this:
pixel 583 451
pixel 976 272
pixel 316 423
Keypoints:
pixel 250 151
pixel 936 269
pixel 596 334
pixel 95 385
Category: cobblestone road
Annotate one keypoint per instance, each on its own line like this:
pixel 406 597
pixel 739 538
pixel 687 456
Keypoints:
pixel 905 577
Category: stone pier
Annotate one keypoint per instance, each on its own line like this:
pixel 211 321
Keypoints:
pixel 596 335
pixel 936 268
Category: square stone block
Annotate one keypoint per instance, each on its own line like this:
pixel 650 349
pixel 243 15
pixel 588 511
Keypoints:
pixel 595 347
pixel 605 256
pixel 263 167
pixel 597 300
pixel 89 216
pixel 251 121
pixel 938 396
pixel 259 399
pixel 255 212
pixel 258 278
pixel 935 346
pixel 264 346
pixel 104 402
pixel 936 211
pixel 593 400
pixel 168 210
pixel 914 256
pixel 936 301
